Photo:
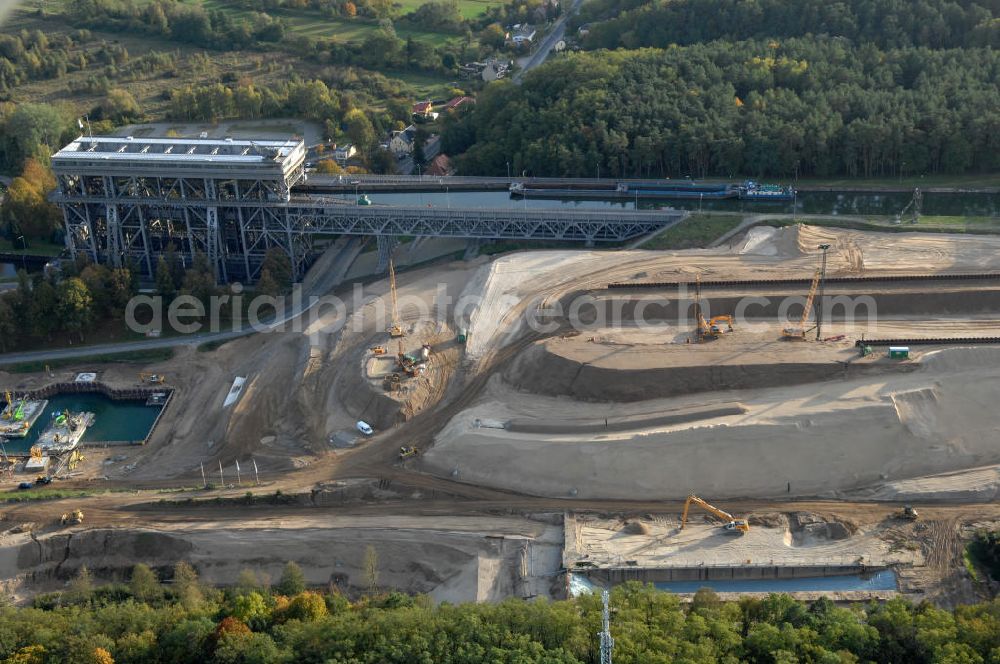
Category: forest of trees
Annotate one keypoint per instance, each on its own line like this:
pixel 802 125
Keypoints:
pixel 885 23
pixel 252 622
pixel 766 88
pixel 803 106
pixel 85 295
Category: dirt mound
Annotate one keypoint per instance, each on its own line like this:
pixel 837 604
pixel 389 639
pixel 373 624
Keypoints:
pixel 811 530
pixel 636 528
pixel 551 367
pixel 102 551
pixel 769 241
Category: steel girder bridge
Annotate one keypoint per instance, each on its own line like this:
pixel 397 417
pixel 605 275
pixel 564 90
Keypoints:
pixel 132 200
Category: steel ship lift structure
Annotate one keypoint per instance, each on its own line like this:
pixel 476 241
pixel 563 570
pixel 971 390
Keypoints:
pixel 131 199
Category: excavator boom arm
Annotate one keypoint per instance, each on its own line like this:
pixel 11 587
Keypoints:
pixel 708 507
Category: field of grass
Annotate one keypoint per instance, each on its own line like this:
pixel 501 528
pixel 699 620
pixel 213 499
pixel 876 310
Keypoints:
pixel 695 232
pixel 134 356
pixel 468 8
pixel 29 495
pixel 971 225
pixel 311 24
pixel 425 86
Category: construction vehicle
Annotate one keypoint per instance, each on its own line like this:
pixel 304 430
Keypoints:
pixel 72 518
pixel 391 382
pixel 378 350
pixel 43 479
pixel 408 451
pixel 730 523
pixel 394 328
pixel 712 328
pixel 75 457
pixel 908 513
pixel 152 378
pixel 798 332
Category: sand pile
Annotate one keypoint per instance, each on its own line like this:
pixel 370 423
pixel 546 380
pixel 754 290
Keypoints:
pixel 806 440
pixel 769 241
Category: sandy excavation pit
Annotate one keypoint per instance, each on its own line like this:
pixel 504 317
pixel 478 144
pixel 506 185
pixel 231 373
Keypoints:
pixel 635 415
pixel 781 540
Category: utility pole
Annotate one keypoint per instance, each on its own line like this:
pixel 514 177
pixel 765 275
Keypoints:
pixel 822 285
pixel 607 643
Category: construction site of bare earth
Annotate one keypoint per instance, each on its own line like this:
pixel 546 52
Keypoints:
pixel 807 410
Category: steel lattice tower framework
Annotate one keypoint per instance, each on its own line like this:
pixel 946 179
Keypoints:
pixel 607 642
pixel 126 199
pixel 129 199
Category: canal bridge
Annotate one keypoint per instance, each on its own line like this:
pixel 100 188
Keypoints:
pixel 129 200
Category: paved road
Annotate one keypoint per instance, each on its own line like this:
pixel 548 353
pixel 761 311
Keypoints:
pixel 347 251
pixel 539 56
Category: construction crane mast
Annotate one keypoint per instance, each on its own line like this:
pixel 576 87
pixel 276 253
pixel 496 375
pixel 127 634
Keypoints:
pixel 798 333
pixel 394 328
pixel 731 523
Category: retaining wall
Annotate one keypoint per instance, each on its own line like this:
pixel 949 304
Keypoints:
pixel 616 575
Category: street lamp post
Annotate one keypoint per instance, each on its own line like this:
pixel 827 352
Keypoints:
pixel 822 287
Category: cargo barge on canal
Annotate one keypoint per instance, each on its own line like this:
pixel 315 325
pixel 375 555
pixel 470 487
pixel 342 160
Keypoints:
pixel 63 433
pixel 750 190
pixel 19 415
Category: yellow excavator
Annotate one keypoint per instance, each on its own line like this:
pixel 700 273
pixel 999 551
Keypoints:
pixel 730 523
pixel 798 332
pixel 712 328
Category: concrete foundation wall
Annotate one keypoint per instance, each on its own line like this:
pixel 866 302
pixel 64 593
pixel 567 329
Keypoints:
pixel 645 575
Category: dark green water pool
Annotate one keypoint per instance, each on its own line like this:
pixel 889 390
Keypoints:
pixel 115 420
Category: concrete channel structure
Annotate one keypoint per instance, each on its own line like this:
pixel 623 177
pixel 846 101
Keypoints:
pixel 129 199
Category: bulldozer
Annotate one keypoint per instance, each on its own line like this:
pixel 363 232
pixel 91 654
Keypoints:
pixel 908 513
pixel 407 451
pixel 72 518
pixel 378 350
pixel 730 523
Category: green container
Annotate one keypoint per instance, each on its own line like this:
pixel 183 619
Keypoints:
pixel 899 352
